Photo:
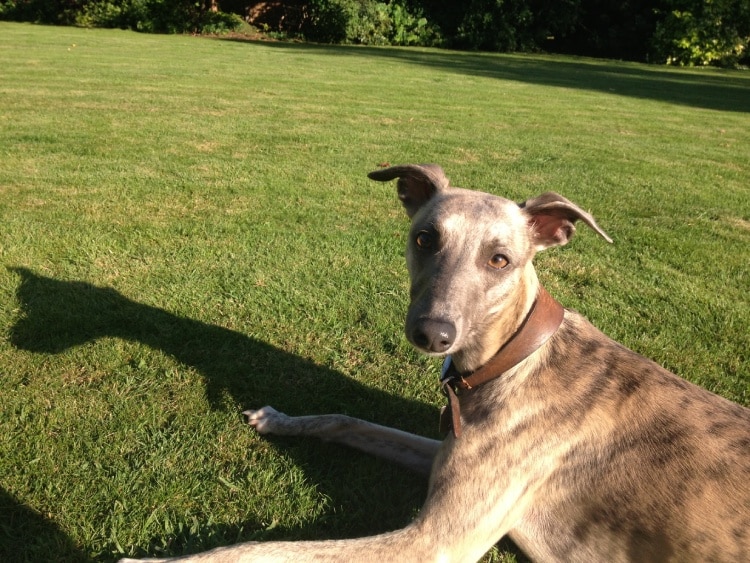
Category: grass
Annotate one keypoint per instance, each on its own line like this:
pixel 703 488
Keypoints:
pixel 186 230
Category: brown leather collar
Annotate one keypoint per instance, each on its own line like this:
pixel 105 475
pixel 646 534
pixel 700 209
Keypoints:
pixel 540 324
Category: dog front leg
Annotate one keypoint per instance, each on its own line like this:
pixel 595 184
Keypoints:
pixel 409 450
pixel 432 537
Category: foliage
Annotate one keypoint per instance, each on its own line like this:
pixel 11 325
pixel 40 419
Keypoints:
pixel 696 32
pixel 607 28
pixel 61 12
pixel 674 31
pixel 683 32
pixel 512 25
pixel 327 21
pixel 368 22
pixel 496 25
pixel 156 16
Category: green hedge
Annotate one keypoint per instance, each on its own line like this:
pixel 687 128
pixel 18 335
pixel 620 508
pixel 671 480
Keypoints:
pixel 155 16
pixel 684 32
pixel 368 22
pixel 702 33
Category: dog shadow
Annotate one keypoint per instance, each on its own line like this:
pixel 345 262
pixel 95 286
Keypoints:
pixel 58 315
pixel 25 535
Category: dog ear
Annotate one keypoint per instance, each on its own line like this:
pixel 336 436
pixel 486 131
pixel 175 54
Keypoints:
pixel 417 183
pixel 552 219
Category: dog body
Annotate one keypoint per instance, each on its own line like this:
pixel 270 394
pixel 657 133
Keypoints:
pixel 581 451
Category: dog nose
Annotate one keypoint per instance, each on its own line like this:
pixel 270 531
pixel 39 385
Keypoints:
pixel 434 335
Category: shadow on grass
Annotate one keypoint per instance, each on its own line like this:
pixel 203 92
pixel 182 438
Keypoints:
pixel 709 89
pixel 27 536
pixel 57 315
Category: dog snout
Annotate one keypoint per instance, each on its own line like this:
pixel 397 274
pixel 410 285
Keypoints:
pixel 433 335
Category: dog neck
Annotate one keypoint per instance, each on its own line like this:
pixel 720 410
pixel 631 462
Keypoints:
pixel 542 321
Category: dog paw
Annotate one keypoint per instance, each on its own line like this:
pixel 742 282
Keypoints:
pixel 265 420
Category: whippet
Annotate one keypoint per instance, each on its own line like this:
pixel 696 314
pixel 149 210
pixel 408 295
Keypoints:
pixel 576 447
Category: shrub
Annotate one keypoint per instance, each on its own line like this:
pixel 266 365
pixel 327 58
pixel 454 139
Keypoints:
pixel 716 33
pixel 159 16
pixel 367 22
pixel 58 12
pixel 103 14
pixel 327 20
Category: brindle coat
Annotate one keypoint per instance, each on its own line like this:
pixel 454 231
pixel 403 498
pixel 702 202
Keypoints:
pixel 584 451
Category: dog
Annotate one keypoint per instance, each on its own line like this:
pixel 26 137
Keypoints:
pixel 576 447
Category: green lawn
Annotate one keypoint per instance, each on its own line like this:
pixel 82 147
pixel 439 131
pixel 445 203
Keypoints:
pixel 187 230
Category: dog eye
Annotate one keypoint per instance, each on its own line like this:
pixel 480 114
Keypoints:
pixel 424 240
pixel 498 262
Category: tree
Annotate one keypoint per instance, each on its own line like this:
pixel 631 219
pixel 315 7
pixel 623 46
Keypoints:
pixel 701 32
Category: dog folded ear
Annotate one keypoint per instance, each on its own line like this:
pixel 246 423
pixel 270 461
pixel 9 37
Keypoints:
pixel 417 183
pixel 552 219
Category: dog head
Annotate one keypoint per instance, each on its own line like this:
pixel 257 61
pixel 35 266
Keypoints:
pixel 469 257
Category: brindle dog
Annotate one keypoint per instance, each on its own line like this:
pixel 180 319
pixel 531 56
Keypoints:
pixel 576 447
